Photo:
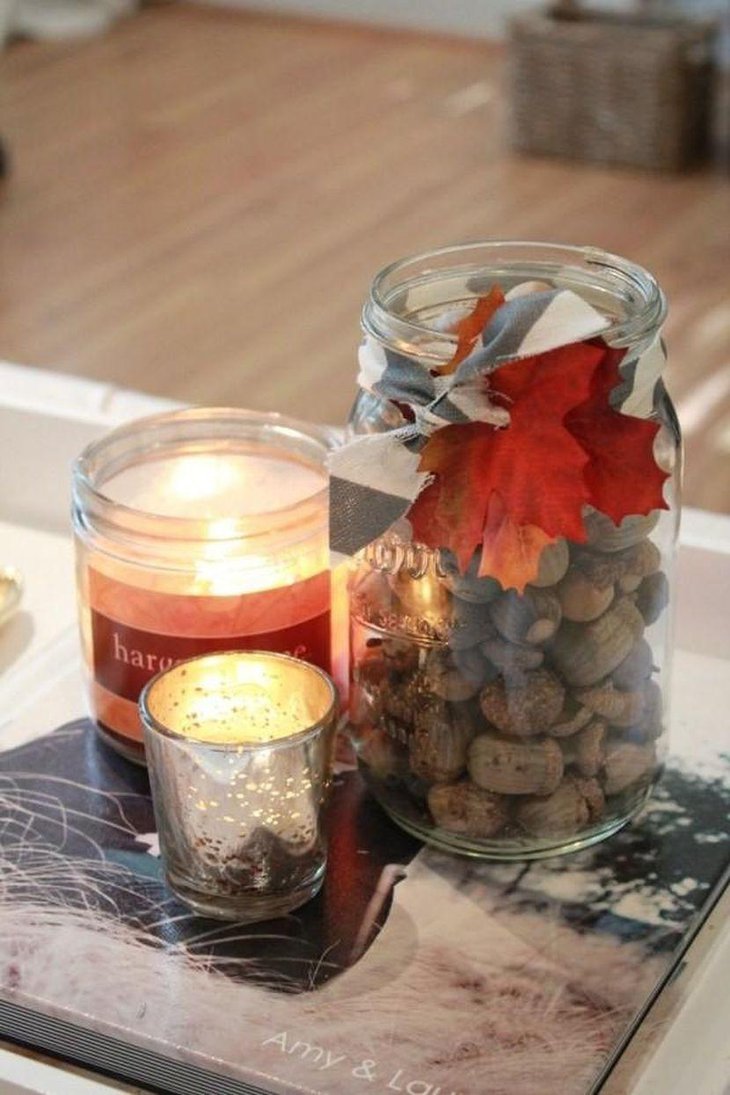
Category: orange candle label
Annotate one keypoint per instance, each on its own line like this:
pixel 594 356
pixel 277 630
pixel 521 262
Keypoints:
pixel 136 632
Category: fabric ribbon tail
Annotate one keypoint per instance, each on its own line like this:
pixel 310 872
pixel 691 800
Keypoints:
pixel 373 482
pixel 635 396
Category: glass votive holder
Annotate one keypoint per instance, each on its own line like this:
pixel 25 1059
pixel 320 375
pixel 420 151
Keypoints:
pixel 239 747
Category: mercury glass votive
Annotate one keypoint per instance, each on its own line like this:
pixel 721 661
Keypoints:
pixel 239 748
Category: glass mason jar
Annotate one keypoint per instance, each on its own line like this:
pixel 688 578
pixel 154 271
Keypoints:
pixel 197 531
pixel 492 722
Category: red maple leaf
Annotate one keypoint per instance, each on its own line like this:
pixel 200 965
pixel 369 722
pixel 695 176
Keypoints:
pixel 622 475
pixel 534 464
pixel 470 327
pixel 509 550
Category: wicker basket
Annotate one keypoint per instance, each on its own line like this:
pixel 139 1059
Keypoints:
pixel 608 88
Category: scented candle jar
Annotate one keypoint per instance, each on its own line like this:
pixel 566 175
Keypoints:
pixel 510 673
pixel 197 531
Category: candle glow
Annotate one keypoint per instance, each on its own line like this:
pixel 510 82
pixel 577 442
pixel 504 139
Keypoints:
pixel 214 537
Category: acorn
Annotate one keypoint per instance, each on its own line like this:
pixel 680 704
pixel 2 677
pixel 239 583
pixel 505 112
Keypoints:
pixel 651 723
pixel 438 746
pixel 560 814
pixel 474 665
pixel 619 708
pixel 467 809
pixel 652 596
pixel 604 535
pixel 523 706
pixel 385 757
pixel 571 719
pixel 532 618
pixel 635 668
pixel 468 586
pixel 400 655
pixel 371 668
pixel 401 699
pixel 640 561
pixel 444 678
pixel 627 763
pixel 554 560
pixel 511 658
pixel 472 625
pixel 581 599
pixel 594 796
pixel 586 653
pixel 585 750
pixel 624 567
pixel 515 767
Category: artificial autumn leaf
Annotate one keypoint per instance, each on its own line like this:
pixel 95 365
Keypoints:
pixel 622 476
pixel 470 327
pixel 510 551
pixel 535 464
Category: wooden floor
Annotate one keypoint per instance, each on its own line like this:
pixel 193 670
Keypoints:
pixel 200 198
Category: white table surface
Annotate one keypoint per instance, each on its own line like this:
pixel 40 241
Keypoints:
pixel 45 419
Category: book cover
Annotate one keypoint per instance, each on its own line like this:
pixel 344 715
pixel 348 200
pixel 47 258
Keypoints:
pixel 413 971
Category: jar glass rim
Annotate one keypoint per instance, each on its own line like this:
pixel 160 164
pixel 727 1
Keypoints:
pixel 531 260
pixel 118 448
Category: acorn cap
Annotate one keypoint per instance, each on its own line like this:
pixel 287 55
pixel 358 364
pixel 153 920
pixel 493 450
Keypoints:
pixel 604 535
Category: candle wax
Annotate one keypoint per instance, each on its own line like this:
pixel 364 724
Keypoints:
pixel 215 486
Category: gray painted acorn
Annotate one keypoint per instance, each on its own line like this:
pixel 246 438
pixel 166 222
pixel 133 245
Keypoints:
pixel 468 586
pixel 652 596
pixel 532 617
pixel 554 560
pixel 604 535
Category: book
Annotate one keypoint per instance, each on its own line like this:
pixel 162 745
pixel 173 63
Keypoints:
pixel 413 971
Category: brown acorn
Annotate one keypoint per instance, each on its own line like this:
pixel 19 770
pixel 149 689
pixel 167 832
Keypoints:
pixel 515 767
pixel 617 707
pixel 467 809
pixel 523 706
pixel 585 750
pixel 384 756
pixel 438 746
pixel 627 764
pixel 563 813
pixel 400 654
pixel 571 719
pixel 445 679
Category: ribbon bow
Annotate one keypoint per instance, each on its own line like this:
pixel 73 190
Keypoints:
pixel 375 477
